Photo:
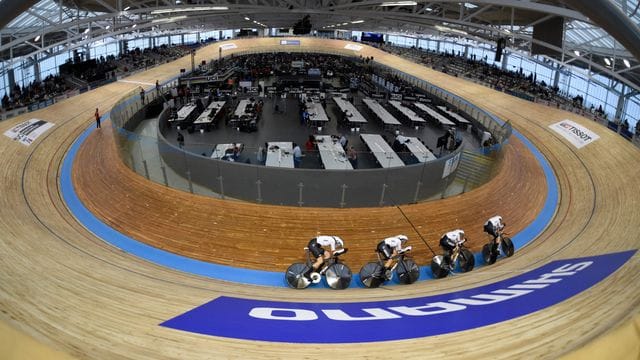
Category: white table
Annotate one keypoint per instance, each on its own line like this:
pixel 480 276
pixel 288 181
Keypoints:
pixel 332 154
pixel 408 113
pixel 221 150
pixel 417 148
pixel 434 114
pixel 242 105
pixel 382 151
pixel 185 112
pixel 387 119
pixel 204 118
pixel 456 116
pixel 280 154
pixel 316 113
pixel 353 115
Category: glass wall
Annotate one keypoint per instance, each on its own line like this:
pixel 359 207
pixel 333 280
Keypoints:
pixel 632 110
pixel 4 84
pixel 596 90
pixel 138 43
pixel 190 38
pixel 162 40
pixel 176 39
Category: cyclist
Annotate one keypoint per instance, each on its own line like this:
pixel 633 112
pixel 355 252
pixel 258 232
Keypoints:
pixel 316 248
pixel 494 227
pixel 450 243
pixel 389 248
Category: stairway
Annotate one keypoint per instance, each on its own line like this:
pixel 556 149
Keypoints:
pixel 474 170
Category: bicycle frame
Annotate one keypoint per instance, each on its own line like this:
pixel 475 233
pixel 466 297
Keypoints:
pixel 325 264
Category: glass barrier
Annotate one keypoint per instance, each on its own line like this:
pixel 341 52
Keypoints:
pixel 271 175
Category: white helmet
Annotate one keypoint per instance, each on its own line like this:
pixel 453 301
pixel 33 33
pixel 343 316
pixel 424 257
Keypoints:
pixel 339 241
pixel 403 238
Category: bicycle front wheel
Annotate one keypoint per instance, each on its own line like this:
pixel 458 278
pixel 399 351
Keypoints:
pixel 338 276
pixel 295 276
pixel 371 275
pixel 408 272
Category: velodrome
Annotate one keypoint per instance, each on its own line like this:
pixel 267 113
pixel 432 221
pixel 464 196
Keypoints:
pixel 76 294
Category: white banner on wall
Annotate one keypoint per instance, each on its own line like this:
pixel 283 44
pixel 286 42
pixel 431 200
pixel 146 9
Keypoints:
pixel 451 165
pixel 28 131
pixel 575 133
pixel 228 46
pixel 353 47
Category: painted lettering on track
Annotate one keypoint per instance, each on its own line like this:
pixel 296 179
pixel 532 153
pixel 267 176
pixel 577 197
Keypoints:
pixel 399 319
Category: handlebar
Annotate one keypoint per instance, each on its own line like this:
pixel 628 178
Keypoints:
pixel 339 252
pixel 405 250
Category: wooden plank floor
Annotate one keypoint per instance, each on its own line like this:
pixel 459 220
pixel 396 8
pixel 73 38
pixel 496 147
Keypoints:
pixel 234 233
pixel 69 290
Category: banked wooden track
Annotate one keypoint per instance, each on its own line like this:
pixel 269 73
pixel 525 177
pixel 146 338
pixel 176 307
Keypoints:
pixel 71 291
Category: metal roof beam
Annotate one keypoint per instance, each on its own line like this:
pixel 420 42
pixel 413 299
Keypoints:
pixel 609 16
pixel 524 5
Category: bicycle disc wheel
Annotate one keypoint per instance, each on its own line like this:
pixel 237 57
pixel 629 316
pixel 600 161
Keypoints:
pixel 488 255
pixel 408 272
pixel 371 275
pixel 507 246
pixel 338 276
pixel 295 276
pixel 439 267
pixel 467 261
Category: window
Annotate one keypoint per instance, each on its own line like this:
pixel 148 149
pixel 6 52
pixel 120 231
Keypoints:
pixel 227 34
pixel 17 74
pixel 4 83
pixel 632 111
pixel 190 38
pixel 48 67
pixel 112 49
pixel 162 40
pixel 545 73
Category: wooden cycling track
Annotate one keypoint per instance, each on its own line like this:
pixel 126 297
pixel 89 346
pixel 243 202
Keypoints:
pixel 74 294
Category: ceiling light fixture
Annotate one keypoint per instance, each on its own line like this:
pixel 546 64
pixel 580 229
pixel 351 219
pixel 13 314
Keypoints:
pixel 607 61
pixel 447 29
pixel 134 26
pixel 625 61
pixel 576 52
pixel 246 18
pixel 357 22
pixel 399 3
pixel 170 19
pixel 86 30
pixel 108 27
pixel 37 38
pixel 127 8
pixel 187 9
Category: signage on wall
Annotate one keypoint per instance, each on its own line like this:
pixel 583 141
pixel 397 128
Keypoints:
pixel 228 46
pixel 451 165
pixel 356 322
pixel 575 133
pixel 289 42
pixel 353 47
pixel 28 131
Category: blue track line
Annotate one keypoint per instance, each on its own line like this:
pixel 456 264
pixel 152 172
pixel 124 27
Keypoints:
pixel 260 277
